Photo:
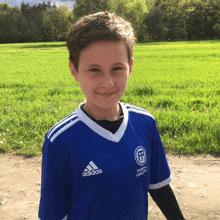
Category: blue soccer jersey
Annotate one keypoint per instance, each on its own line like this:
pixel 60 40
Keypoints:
pixel 103 175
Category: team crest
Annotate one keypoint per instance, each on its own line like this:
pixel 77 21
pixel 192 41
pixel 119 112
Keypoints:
pixel 140 155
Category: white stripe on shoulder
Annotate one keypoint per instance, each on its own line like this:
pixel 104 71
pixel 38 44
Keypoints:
pixel 58 132
pixel 132 108
pixel 60 123
pixel 65 218
pixel 63 129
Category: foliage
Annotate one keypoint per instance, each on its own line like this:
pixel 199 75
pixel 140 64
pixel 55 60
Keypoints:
pixel 56 23
pixel 155 20
pixel 178 83
pixel 86 7
pixel 183 20
pixel 136 13
pixel 202 17
pixel 44 22
pixel 132 10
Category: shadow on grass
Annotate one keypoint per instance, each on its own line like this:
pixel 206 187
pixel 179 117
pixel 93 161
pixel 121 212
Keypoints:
pixel 15 85
pixel 43 46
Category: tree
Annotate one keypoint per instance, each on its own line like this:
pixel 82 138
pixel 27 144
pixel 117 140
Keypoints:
pixel 183 19
pixel 86 7
pixel 202 19
pixel 173 19
pixel 65 20
pixel 120 7
pixel 13 25
pixel 56 23
pixel 155 26
pixel 5 7
pixel 137 13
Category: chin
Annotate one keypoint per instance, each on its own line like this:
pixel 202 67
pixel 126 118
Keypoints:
pixel 107 104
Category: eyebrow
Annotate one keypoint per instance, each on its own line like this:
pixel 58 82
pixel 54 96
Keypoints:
pixel 100 65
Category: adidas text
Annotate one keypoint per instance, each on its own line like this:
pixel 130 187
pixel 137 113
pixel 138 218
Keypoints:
pixel 93 172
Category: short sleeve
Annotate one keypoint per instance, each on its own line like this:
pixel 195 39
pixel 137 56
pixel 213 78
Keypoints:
pixel 54 183
pixel 160 174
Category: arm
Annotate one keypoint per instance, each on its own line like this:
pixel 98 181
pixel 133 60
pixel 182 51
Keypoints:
pixel 159 187
pixel 54 183
pixel 166 201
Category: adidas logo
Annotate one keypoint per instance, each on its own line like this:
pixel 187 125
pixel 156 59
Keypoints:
pixel 91 169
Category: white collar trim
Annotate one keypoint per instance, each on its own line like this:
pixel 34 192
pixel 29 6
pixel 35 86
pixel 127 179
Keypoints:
pixel 100 130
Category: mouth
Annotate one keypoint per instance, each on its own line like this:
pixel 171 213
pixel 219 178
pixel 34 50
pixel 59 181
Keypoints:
pixel 106 94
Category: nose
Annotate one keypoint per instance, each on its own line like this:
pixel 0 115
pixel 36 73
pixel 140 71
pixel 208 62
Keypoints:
pixel 107 81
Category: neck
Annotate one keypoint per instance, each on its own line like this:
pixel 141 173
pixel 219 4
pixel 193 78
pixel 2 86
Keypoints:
pixel 110 114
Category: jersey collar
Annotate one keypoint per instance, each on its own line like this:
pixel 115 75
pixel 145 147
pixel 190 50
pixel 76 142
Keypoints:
pixel 100 130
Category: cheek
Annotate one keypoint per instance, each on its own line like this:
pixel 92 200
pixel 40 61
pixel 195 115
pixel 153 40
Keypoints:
pixel 87 86
pixel 122 81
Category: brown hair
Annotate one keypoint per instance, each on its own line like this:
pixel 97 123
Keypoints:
pixel 97 27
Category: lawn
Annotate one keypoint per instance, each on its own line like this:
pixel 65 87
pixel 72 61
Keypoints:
pixel 177 82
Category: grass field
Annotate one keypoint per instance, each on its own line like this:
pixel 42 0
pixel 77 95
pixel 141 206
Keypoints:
pixel 178 82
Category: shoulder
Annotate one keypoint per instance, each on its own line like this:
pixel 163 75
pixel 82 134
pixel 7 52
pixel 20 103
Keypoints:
pixel 138 111
pixel 140 118
pixel 62 126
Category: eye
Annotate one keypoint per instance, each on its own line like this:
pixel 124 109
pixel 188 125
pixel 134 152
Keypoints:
pixel 94 70
pixel 117 68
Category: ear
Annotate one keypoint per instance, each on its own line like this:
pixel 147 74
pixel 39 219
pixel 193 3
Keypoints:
pixel 73 71
pixel 131 67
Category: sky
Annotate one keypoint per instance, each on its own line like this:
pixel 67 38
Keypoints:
pixel 14 3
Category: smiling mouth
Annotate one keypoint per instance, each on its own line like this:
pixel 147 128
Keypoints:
pixel 106 94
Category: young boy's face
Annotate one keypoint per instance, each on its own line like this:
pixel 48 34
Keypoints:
pixel 103 73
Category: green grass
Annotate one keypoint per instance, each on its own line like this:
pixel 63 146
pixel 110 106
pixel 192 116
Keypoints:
pixel 177 82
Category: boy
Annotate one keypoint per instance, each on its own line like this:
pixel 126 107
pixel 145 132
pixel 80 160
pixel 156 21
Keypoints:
pixel 101 161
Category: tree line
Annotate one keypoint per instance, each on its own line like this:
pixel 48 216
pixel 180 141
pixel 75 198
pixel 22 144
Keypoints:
pixel 153 20
pixel 40 23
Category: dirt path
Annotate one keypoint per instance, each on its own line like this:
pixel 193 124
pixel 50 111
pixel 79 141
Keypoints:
pixel 196 184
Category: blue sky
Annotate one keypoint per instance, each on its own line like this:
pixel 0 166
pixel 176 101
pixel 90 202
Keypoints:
pixel 32 2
